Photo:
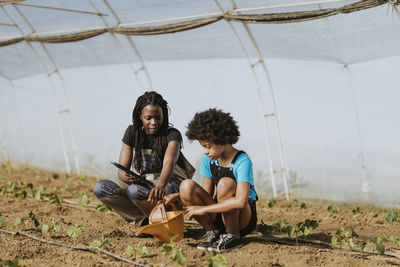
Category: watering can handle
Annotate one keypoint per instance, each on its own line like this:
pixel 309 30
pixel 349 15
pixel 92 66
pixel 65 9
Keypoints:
pixel 158 213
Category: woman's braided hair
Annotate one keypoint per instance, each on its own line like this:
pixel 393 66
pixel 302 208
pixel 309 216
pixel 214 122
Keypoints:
pixel 160 138
pixel 213 125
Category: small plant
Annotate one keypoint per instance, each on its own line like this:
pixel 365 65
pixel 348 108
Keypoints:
pixel 17 222
pixel 68 177
pixel 12 263
pixel 139 248
pixel 344 238
pixel 333 209
pixel 391 217
pixel 217 260
pixel 83 178
pixel 271 202
pixel 84 199
pixel 356 212
pixel 379 245
pixel 364 244
pixel 102 208
pixel 394 239
pixel 55 199
pixel 75 231
pixel 55 176
pixel 286 204
pixel 280 223
pixel 303 206
pixel 37 194
pixel 2 220
pixel 54 227
pixel 99 243
pixel 176 254
pixel 304 228
pixel 33 218
pixel 265 229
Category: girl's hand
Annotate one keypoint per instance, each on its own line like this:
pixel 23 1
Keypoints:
pixel 156 193
pixel 194 211
pixel 169 199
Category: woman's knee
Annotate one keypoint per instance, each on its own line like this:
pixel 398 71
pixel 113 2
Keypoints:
pixel 137 192
pixel 104 188
pixel 226 188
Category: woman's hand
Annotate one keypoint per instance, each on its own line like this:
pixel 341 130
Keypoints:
pixel 127 178
pixel 156 193
pixel 191 211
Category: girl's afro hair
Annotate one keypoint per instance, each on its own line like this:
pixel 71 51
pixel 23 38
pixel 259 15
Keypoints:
pixel 215 126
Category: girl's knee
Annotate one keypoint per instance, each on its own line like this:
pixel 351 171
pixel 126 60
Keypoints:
pixel 186 189
pixel 226 188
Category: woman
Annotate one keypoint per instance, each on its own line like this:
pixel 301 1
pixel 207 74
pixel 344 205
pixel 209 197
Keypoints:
pixel 154 149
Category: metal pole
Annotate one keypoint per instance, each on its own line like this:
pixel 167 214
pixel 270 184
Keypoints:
pixel 53 91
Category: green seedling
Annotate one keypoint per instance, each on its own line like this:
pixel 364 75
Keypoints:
pixel 20 192
pixel 280 223
pixel 74 231
pixel 12 263
pixel 84 199
pixel 99 243
pixel 37 195
pixel 363 245
pixel 17 222
pixel 286 204
pixel 54 227
pixel 217 260
pixel 102 208
pixel 394 239
pixel 139 248
pixel 379 245
pixel 304 228
pixel 356 212
pixel 67 177
pixel 290 230
pixel 271 202
pixel 265 229
pixel 333 209
pixel 2 220
pixel 344 238
pixel 391 217
pixel 83 178
pixel 303 205
pixel 177 255
pixel 55 176
pixel 33 218
pixel 55 199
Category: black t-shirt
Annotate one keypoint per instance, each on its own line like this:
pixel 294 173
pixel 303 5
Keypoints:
pixel 147 160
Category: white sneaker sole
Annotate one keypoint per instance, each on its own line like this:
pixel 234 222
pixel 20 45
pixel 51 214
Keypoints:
pixel 224 250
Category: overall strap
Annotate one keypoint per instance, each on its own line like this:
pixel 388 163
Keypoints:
pixel 240 152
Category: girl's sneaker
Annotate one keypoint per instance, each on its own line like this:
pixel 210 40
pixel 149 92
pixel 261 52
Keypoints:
pixel 226 242
pixel 208 239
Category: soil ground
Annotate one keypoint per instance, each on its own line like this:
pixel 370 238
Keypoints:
pixel 258 250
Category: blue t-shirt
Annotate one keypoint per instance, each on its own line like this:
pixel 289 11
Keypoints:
pixel 242 170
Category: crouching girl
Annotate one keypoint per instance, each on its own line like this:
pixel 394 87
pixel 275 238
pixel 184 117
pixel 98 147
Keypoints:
pixel 226 203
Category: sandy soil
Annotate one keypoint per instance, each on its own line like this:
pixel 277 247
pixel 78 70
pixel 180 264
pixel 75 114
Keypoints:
pixel 258 251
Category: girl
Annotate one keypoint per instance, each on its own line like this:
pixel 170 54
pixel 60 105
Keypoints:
pixel 153 147
pixel 231 213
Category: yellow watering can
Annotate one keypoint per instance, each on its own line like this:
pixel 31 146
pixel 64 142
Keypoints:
pixel 164 225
